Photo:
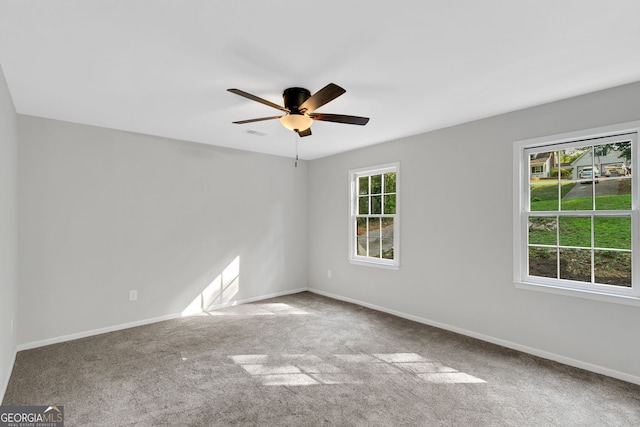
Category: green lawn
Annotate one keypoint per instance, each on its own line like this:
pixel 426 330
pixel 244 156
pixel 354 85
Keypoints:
pixel 609 266
pixel 548 191
pixel 603 203
pixel 609 232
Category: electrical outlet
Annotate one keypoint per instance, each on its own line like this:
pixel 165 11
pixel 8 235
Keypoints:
pixel 329 274
pixel 133 295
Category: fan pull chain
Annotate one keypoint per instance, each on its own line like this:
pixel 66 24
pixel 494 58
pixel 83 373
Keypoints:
pixel 297 139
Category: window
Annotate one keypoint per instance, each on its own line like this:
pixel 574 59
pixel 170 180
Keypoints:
pixel 373 230
pixel 575 229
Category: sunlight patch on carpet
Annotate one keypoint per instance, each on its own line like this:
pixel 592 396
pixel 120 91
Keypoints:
pixel 291 379
pixel 310 369
pixel 256 309
pixel 450 378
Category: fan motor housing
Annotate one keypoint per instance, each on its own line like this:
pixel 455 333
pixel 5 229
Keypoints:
pixel 294 97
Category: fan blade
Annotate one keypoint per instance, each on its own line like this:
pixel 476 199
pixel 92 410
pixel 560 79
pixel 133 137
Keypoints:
pixel 255 98
pixel 321 97
pixel 304 132
pixel 340 118
pixel 241 122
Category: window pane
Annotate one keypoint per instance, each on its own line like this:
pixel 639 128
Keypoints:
pixel 575 231
pixel 389 204
pixel 374 247
pixel 363 185
pixel 575 264
pixel 544 196
pixel 361 236
pixel 363 205
pixel 579 197
pixel 376 205
pixel 362 247
pixel 612 232
pixel 613 268
pixel 373 238
pixel 376 184
pixel 541 164
pixel 614 191
pixel 387 238
pixel 387 228
pixel 543 187
pixel 567 158
pixel 374 226
pixel 390 182
pixel 583 163
pixel 613 194
pixel 387 249
pixel 543 262
pixel 577 193
pixel 567 184
pixel 613 159
pixel 543 230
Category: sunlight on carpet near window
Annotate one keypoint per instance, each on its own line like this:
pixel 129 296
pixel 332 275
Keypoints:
pixel 309 369
pixel 219 292
pixel 257 309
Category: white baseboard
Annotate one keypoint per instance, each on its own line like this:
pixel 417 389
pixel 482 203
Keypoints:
pixel 508 344
pixel 3 387
pixel 84 334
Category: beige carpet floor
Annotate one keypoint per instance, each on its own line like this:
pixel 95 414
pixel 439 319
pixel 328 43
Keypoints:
pixel 307 360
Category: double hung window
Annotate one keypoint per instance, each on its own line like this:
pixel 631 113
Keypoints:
pixel 577 214
pixel 374 223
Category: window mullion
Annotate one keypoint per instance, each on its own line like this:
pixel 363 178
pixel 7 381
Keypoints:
pixel 558 244
pixel 593 252
pixel 593 179
pixel 380 236
pixel 366 239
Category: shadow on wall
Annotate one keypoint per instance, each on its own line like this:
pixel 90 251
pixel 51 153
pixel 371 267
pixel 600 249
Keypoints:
pixel 219 292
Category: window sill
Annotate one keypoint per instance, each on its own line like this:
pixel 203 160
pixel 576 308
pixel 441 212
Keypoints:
pixel 579 293
pixel 374 264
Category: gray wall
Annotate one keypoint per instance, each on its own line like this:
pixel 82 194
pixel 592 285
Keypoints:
pixel 104 212
pixel 8 231
pixel 456 237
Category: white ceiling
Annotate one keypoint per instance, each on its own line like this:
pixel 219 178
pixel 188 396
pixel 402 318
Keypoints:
pixel 162 67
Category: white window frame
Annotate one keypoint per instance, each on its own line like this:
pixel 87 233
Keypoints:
pixel 521 186
pixel 354 174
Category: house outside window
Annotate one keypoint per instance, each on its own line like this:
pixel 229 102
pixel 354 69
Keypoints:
pixel 374 220
pixel 574 229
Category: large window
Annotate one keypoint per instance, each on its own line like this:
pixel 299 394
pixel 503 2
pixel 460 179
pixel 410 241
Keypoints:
pixel 576 227
pixel 374 225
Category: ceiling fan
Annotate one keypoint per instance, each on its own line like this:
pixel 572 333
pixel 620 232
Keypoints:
pixel 299 106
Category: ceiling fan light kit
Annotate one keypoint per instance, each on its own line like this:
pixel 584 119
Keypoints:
pixel 296 121
pixel 299 106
